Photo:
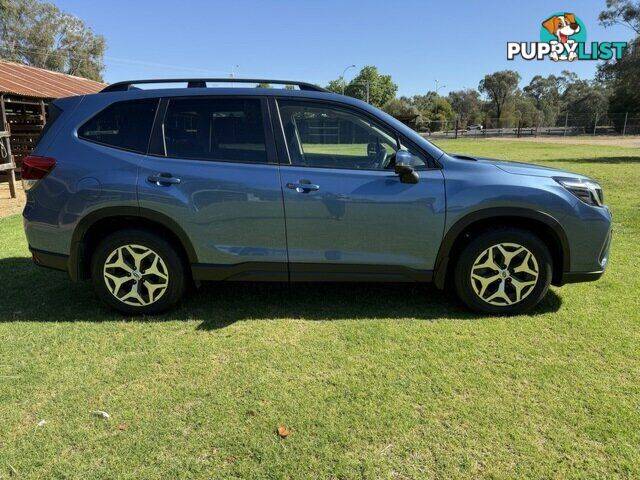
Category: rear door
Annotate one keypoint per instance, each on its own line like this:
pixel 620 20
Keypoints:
pixel 212 168
pixel 348 216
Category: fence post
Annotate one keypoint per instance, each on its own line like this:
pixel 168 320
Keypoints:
pixel 595 125
pixel 566 122
pixel 456 128
pixel 624 129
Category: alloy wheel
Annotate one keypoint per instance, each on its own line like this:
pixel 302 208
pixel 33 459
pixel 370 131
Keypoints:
pixel 136 275
pixel 504 274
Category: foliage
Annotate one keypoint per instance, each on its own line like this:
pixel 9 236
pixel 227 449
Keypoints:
pixel 545 94
pixel 397 107
pixel 381 88
pixel 335 86
pixel 467 105
pixel 623 75
pixel 543 90
pixel 499 88
pixel 39 34
pixel 436 112
pixel 440 114
pixel 521 110
pixel 624 79
pixel 622 12
pixel 424 103
pixel 583 100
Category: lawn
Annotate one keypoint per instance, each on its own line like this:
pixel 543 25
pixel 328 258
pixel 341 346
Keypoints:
pixel 373 381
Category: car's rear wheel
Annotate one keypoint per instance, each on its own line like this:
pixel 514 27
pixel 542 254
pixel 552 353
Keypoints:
pixel 503 271
pixel 138 272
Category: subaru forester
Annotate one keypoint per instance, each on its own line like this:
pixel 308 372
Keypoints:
pixel 147 190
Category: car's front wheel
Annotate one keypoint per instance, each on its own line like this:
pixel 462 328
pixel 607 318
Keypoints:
pixel 503 271
pixel 138 272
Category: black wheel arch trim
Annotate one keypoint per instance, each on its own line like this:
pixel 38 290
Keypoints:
pixel 450 237
pixel 79 233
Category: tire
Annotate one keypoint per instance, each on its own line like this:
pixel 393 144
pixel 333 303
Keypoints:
pixel 517 260
pixel 156 285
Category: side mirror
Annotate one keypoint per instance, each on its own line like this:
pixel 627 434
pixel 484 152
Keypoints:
pixel 404 167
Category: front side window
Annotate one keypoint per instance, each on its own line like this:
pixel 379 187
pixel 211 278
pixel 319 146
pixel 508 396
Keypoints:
pixel 230 130
pixel 125 125
pixel 319 135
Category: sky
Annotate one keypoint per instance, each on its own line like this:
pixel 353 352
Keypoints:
pixel 453 42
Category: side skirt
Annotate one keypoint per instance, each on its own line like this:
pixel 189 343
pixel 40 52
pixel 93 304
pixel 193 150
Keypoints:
pixel 308 272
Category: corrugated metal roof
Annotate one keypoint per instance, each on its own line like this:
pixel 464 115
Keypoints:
pixel 29 81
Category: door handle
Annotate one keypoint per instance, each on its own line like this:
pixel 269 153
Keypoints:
pixel 163 179
pixel 303 186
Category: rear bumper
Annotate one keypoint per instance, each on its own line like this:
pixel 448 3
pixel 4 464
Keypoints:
pixel 55 261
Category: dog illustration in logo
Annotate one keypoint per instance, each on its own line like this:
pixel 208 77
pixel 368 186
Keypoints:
pixel 562 27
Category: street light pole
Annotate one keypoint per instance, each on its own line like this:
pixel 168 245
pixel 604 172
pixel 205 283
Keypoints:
pixel 233 70
pixel 438 88
pixel 342 76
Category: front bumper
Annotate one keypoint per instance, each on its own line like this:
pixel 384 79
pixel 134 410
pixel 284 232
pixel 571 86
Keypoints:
pixel 578 277
pixel 603 261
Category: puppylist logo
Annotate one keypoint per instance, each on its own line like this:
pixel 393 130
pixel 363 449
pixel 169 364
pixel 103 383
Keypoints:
pixel 563 37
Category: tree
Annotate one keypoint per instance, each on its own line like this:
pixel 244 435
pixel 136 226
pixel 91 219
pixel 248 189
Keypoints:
pixel 39 34
pixel 441 115
pixel 499 87
pixel 467 105
pixel 583 100
pixel 543 90
pixel 263 85
pixel 545 93
pixel 622 12
pixel 381 87
pixel 398 107
pixel 623 78
pixel 524 111
pixel 335 86
pixel 424 103
pixel 622 75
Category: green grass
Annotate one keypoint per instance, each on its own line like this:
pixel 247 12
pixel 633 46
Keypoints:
pixel 373 381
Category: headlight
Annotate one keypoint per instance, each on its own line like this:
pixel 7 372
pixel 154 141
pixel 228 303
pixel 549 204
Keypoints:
pixel 586 190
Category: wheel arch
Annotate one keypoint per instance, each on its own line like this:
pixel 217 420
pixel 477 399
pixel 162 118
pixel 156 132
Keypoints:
pixel 538 223
pixel 95 225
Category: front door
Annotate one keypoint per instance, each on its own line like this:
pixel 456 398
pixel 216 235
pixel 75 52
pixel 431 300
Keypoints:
pixel 215 173
pixel 348 216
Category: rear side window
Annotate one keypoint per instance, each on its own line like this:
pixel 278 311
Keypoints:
pixel 228 130
pixel 125 125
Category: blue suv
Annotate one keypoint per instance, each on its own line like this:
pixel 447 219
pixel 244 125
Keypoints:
pixel 147 191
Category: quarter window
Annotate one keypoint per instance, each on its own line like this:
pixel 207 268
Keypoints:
pixel 125 125
pixel 230 130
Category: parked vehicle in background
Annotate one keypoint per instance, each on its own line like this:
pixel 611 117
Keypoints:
pixel 145 191
pixel 476 126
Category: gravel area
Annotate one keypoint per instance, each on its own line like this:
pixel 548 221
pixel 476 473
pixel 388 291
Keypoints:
pixel 8 205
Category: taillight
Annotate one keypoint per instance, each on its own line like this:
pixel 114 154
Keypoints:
pixel 35 169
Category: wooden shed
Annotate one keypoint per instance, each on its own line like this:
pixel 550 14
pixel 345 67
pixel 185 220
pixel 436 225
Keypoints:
pixel 25 93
